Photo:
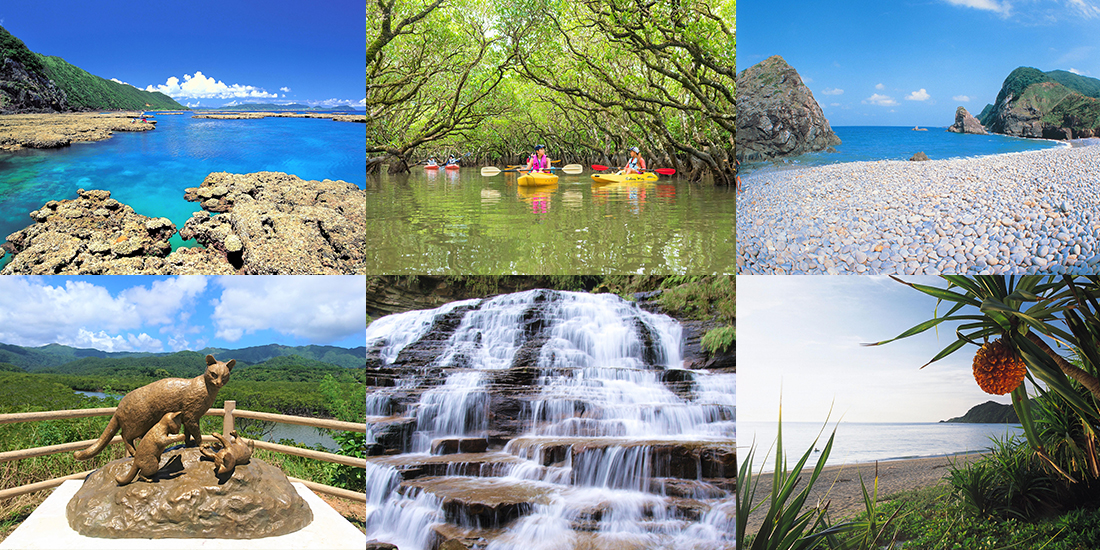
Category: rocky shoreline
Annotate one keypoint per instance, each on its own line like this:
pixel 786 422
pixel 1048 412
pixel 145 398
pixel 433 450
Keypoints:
pixel 268 223
pixel 256 115
pixel 1012 213
pixel 48 131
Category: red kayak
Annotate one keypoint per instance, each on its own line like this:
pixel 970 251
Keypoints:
pixel 452 167
pixel 431 167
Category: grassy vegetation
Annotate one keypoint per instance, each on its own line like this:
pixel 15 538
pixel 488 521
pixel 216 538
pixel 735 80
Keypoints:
pixel 12 47
pixel 87 91
pixel 320 391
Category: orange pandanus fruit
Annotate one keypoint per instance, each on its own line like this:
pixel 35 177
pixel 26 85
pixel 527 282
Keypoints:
pixel 997 368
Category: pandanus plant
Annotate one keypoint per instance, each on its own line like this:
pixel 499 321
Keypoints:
pixel 1011 319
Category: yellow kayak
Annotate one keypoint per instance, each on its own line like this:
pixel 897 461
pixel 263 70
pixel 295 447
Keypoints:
pixel 537 178
pixel 621 178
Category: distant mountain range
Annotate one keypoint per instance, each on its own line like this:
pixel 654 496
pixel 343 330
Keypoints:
pixel 34 83
pixel 70 360
pixel 1052 105
pixel 275 107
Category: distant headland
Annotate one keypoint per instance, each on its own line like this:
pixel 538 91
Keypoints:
pixel 35 83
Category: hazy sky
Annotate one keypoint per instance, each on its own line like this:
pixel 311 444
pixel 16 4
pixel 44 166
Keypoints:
pixel 165 314
pixel 204 51
pixel 908 62
pixel 803 334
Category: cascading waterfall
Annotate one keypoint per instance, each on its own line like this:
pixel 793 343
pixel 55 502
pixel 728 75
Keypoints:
pixel 543 420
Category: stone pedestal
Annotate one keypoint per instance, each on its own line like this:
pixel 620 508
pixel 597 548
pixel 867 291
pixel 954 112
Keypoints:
pixel 47 529
pixel 186 499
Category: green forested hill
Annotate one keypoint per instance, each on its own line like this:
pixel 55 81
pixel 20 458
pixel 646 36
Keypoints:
pixel 347 358
pixel 39 83
pixel 1056 104
pixel 87 91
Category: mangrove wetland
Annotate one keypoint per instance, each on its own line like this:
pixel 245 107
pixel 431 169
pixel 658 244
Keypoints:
pixel 314 381
pixel 488 81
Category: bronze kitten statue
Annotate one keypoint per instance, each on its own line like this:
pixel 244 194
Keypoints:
pixel 226 459
pixel 147 458
pixel 142 408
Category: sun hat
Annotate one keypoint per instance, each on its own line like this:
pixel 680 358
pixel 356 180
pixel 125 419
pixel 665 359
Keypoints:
pixel 635 149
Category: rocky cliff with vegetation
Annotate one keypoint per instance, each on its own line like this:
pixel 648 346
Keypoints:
pixel 1051 105
pixel 777 115
pixel 989 412
pixel 34 83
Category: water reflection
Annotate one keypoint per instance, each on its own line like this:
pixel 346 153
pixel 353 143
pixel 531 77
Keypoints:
pixel 462 222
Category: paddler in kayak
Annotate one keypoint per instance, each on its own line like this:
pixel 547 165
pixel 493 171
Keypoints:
pixel 539 162
pixel 636 164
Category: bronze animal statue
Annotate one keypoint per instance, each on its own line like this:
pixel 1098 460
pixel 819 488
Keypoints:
pixel 147 458
pixel 235 452
pixel 142 408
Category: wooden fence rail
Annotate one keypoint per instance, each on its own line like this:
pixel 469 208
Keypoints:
pixel 229 413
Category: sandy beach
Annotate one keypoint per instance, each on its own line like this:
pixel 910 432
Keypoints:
pixel 839 485
pixel 47 131
pixel 1012 213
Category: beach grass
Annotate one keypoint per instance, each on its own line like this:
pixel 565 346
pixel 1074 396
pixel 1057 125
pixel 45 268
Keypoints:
pixel 930 518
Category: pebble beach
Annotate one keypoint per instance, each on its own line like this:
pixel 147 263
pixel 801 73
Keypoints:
pixel 1030 212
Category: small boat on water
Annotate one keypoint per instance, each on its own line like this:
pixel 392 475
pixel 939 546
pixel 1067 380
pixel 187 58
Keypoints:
pixel 431 167
pixel 621 178
pixel 536 178
pixel 451 167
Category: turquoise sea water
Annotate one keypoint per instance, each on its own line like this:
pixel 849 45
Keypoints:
pixel 862 442
pixel 150 170
pixel 868 143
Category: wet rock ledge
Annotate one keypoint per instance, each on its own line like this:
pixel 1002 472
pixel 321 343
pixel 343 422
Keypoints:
pixel 266 223
pixel 47 131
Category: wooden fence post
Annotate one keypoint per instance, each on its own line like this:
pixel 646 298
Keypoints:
pixel 227 420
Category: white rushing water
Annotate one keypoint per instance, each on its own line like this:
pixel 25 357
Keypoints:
pixel 612 438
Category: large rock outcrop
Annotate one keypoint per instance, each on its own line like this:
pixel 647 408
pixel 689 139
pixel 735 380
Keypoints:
pixel 268 223
pixel 276 223
pixel 23 91
pixel 91 234
pixel 777 114
pixel 188 500
pixel 965 123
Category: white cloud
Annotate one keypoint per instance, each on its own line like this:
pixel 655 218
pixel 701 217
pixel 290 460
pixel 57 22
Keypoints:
pixel 121 82
pixel 284 89
pixel 1084 8
pixel 1002 8
pixel 83 314
pixel 363 102
pixel 834 105
pixel 961 98
pixel 1082 73
pixel 202 86
pixel 161 302
pixel 919 95
pixel 879 86
pixel 881 100
pixel 105 342
pixel 832 91
pixel 318 309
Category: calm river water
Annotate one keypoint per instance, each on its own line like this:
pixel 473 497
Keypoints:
pixel 464 223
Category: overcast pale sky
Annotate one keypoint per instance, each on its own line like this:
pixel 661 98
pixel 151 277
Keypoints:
pixel 801 335
pixel 165 314
pixel 901 63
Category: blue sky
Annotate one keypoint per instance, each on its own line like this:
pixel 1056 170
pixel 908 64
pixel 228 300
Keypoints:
pixel 217 52
pixel 904 63
pixel 801 335
pixel 165 314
